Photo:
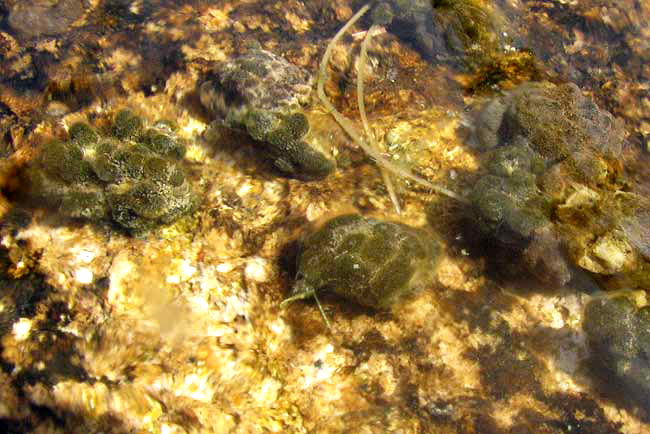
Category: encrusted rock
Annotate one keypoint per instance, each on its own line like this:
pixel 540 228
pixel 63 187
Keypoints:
pixel 131 176
pixel 619 338
pixel 554 181
pixel 370 262
pixel 264 95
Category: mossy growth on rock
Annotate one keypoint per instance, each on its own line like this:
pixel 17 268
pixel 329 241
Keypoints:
pixel 282 136
pixel 264 96
pixel 504 71
pixel 463 31
pixel 554 181
pixel 370 262
pixel 132 175
pixel 618 333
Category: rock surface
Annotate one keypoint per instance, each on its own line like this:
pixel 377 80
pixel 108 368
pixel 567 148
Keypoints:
pixel 619 337
pixel 555 182
pixel 264 95
pixel 33 18
pixel 179 330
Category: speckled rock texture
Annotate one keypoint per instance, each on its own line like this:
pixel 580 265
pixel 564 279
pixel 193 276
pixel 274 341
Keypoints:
pixel 619 338
pixel 263 94
pixel 366 261
pixel 179 329
pixel 131 176
pixel 555 186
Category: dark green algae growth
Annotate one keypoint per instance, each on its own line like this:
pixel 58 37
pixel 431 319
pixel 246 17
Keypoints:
pixel 555 195
pixel 367 261
pixel 547 149
pixel 131 175
pixel 618 334
pixel 264 95
pixel 446 30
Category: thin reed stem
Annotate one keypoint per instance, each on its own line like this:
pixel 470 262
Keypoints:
pixel 350 129
pixel 363 60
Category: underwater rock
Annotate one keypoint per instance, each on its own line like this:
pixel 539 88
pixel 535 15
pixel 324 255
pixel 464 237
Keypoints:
pixel 131 175
pixel 263 95
pixel 556 120
pixel 34 18
pixel 443 29
pixel 637 229
pixel 554 179
pixel 618 333
pixel 367 261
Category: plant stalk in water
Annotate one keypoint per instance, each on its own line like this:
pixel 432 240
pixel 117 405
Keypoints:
pixel 351 130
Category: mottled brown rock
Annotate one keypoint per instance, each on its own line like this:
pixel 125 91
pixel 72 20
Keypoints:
pixel 32 18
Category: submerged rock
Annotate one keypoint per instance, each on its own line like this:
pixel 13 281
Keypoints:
pixel 443 29
pixel 554 182
pixel 34 18
pixel 367 261
pixel 618 333
pixel 264 95
pixel 131 176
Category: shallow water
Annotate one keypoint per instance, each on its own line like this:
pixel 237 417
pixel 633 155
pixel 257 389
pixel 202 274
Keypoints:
pixel 178 329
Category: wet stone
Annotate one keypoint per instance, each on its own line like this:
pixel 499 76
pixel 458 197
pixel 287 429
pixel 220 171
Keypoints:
pixel 264 95
pixel 618 333
pixel 370 262
pixel 33 18
pixel 554 168
pixel 120 177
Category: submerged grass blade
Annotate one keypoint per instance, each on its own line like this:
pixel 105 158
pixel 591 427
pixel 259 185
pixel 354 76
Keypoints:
pixel 322 312
pixel 363 58
pixel 349 127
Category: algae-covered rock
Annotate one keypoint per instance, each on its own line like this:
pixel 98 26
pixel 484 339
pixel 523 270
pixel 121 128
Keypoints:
pixel 556 120
pixel 554 181
pixel 445 29
pixel 127 125
pixel 618 333
pixel 370 262
pixel 511 208
pixel 264 95
pixel 131 176
pixel 64 161
pixel 559 122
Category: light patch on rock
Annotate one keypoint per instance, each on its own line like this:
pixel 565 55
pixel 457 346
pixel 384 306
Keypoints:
pixel 225 267
pixel 256 270
pixel 173 279
pixel 613 250
pixel 198 385
pixel 281 332
pixel 84 276
pixel 216 19
pixel 22 328
pixel 299 25
pixel 121 269
pixel 181 271
pixel 314 374
pixel 315 211
pixel 86 256
pixel 266 392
